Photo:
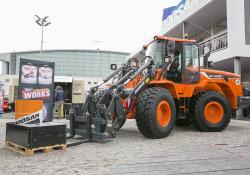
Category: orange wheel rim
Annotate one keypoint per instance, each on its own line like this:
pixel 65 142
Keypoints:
pixel 163 113
pixel 213 112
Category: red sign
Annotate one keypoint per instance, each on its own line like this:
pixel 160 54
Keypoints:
pixel 1 101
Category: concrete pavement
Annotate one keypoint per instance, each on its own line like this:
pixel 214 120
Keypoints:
pixel 185 151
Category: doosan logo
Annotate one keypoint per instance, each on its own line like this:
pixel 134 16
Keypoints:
pixel 29 93
pixel 36 116
pixel 28 118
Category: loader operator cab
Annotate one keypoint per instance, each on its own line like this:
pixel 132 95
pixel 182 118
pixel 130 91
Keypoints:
pixel 180 57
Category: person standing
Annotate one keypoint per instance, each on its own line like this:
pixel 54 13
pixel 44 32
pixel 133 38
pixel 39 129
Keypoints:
pixel 59 100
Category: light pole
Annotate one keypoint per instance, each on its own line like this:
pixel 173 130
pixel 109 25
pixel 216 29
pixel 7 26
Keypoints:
pixel 97 42
pixel 42 21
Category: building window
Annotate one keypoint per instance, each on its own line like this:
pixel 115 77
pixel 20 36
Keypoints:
pixel 95 82
pixel 89 82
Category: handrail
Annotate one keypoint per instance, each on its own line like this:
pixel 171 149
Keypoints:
pixel 216 44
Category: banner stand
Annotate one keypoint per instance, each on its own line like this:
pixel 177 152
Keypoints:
pixel 36 82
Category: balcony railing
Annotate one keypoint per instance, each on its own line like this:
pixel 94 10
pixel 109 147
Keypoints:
pixel 216 44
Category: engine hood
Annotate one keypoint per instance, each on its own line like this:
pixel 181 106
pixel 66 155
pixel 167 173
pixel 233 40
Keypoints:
pixel 219 72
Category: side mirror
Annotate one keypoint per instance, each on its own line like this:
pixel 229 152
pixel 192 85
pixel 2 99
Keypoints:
pixel 210 65
pixel 113 66
pixel 206 51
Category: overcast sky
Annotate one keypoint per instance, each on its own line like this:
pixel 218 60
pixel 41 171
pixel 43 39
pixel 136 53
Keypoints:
pixel 120 25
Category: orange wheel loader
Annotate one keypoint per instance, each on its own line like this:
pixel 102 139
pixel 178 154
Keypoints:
pixel 168 86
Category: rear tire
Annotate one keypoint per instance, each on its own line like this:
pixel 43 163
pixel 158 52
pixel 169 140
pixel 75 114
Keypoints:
pixel 155 113
pixel 212 112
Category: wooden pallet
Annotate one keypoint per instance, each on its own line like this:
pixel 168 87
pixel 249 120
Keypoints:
pixel 30 151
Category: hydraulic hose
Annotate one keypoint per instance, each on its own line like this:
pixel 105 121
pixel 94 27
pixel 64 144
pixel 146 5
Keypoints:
pixel 124 78
pixel 144 66
pixel 114 73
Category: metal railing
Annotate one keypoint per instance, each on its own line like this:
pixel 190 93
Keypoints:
pixel 216 44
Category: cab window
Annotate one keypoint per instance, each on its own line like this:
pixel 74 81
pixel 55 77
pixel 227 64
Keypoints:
pixel 191 56
pixel 156 51
pixel 191 64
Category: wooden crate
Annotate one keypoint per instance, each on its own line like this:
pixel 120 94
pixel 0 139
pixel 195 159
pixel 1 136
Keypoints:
pixel 30 151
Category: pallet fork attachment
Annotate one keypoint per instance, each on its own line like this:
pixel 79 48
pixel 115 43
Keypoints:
pixel 95 120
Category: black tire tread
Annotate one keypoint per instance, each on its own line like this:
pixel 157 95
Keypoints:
pixel 199 125
pixel 143 111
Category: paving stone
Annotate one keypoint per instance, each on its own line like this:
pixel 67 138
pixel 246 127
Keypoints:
pixel 185 151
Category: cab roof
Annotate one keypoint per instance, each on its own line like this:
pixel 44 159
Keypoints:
pixel 169 39
pixel 174 39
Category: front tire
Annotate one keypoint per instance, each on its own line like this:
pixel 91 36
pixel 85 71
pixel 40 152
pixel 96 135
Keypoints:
pixel 212 112
pixel 155 113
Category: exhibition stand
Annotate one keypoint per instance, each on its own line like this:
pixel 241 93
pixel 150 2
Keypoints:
pixel 33 129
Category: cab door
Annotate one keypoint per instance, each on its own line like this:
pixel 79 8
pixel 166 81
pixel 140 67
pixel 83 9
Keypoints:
pixel 190 64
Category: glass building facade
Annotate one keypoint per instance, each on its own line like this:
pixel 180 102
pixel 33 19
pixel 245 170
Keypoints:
pixel 81 63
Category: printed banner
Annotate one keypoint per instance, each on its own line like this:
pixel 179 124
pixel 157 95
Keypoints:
pixel 37 82
pixel 28 111
pixel 45 75
pixel 29 74
pixel 31 117
pixel 30 93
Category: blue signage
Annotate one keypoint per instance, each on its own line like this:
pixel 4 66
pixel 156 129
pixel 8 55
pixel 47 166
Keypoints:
pixel 181 3
pixel 169 11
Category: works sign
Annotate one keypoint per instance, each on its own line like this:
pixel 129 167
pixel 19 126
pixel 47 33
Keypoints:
pixel 30 93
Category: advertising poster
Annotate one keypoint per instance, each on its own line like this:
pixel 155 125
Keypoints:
pixel 37 83
pixel 78 91
pixel 29 74
pixel 45 75
pixel 28 111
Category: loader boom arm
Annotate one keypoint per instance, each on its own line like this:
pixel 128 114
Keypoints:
pixel 107 113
